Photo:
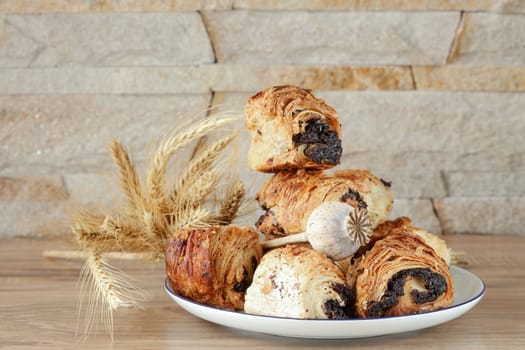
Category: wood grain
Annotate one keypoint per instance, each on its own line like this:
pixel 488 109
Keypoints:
pixel 38 299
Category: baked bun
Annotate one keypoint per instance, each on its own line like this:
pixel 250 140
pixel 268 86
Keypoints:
pixel 290 197
pixel 291 129
pixel 298 282
pixel 404 224
pixel 213 265
pixel 400 275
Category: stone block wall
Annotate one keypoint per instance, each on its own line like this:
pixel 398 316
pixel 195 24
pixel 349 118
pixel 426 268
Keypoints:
pixel 431 95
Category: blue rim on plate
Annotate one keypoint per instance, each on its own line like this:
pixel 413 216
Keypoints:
pixel 468 289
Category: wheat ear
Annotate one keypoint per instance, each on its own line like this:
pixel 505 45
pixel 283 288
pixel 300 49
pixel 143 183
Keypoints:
pixel 195 193
pixel 104 233
pixel 106 289
pixel 230 205
pixel 201 162
pixel 190 217
pixel 156 178
pixel 157 229
pixel 129 181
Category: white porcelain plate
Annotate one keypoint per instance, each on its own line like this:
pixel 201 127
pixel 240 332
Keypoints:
pixel 468 291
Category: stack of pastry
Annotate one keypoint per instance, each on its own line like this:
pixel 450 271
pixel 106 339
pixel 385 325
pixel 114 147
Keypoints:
pixel 398 269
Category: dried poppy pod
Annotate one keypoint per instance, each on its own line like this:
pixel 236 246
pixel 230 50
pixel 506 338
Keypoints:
pixel 334 228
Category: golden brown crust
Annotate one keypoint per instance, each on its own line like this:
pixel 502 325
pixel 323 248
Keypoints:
pixel 404 225
pixel 299 282
pixel 290 197
pixel 382 230
pixel 213 265
pixel 279 117
pixel 400 275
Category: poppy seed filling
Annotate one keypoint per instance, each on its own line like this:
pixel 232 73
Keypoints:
pixel 434 283
pixel 336 310
pixel 323 145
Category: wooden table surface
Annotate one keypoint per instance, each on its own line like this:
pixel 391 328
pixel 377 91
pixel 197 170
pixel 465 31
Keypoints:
pixel 38 300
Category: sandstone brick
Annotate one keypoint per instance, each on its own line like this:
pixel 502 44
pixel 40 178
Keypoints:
pixel 430 130
pixel 411 182
pixel 104 80
pixel 29 218
pixel 486 184
pixel 46 6
pixel 51 40
pixel 95 190
pixel 482 215
pixel 101 190
pixel 229 77
pixel 32 188
pixel 467 5
pixel 221 77
pixel 234 103
pixel 350 38
pixel 71 133
pixel 490 39
pixel 478 161
pixel 420 211
pixel 468 78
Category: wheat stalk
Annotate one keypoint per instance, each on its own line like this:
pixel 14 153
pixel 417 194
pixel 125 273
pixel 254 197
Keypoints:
pixel 196 192
pixel 81 254
pixel 201 162
pixel 104 233
pixel 152 217
pixel 86 230
pixel 106 289
pixel 156 179
pixel 146 213
pixel 128 234
pixel 157 229
pixel 230 205
pixel 191 217
pixel 129 181
pixel 199 146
